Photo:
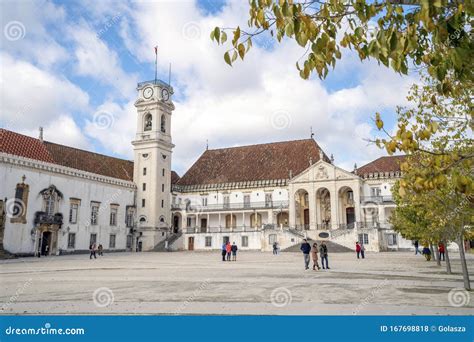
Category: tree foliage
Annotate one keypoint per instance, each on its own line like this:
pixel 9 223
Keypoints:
pixel 432 34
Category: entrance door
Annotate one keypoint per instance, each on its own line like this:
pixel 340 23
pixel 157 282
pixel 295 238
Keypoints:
pixel 46 243
pixel 175 224
pixel 306 219
pixel 350 215
pixel 203 225
pixel 191 243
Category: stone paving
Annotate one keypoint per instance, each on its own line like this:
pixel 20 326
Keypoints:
pixel 258 283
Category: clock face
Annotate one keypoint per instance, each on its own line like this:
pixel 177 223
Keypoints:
pixel 148 92
pixel 165 94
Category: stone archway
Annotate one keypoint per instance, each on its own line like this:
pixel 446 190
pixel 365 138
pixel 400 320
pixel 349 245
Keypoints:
pixel 346 206
pixel 302 214
pixel 323 208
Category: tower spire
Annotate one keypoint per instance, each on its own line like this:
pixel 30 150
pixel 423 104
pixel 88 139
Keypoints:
pixel 311 132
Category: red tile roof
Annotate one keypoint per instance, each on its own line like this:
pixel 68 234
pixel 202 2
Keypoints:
pixel 174 177
pixel 382 164
pixel 28 147
pixel 271 161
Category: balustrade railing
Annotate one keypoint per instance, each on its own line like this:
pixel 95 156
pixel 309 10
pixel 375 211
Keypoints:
pixel 196 207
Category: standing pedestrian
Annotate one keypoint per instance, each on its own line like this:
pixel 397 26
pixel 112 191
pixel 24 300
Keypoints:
pixel 223 251
pixel 427 253
pixel 323 252
pixel 306 249
pixel 314 256
pixel 275 248
pixel 441 250
pixel 100 249
pixel 234 251
pixel 357 249
pixel 93 248
pixel 228 249
pixel 362 250
pixel 416 247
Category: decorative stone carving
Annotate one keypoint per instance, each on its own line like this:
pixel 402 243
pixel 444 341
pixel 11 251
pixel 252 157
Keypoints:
pixel 322 173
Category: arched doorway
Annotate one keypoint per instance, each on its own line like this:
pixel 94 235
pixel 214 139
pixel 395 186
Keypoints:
pixel 346 206
pixel 323 208
pixel 283 219
pixel 302 209
pixel 176 222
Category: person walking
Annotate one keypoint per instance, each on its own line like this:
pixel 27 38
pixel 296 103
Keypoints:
pixel 427 253
pixel 234 251
pixel 416 247
pixel 362 250
pixel 228 249
pixel 92 249
pixel 442 251
pixel 275 248
pixel 306 249
pixel 358 249
pixel 314 256
pixel 100 249
pixel 224 251
pixel 323 252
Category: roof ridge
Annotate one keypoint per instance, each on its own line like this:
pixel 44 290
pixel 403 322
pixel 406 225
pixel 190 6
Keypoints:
pixel 260 144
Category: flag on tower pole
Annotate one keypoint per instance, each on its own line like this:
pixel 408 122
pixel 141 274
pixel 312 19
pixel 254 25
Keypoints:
pixel 156 64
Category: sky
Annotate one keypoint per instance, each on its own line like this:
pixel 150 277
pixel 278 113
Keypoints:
pixel 72 67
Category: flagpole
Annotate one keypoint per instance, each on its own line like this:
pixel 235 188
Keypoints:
pixel 156 64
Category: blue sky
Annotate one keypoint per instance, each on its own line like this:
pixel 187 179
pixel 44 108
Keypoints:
pixel 72 67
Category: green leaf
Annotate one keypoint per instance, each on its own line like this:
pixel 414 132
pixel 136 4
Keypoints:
pixel 241 49
pixel 223 37
pixel 217 33
pixel 227 58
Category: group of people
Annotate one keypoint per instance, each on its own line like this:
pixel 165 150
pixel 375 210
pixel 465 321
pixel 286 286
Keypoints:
pixel 93 248
pixel 426 251
pixel 360 250
pixel 322 250
pixel 228 250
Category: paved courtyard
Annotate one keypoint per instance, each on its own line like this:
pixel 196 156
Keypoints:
pixel 258 283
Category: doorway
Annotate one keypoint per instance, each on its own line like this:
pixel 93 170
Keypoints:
pixel 191 243
pixel 203 225
pixel 175 224
pixel 350 215
pixel 46 243
pixel 306 219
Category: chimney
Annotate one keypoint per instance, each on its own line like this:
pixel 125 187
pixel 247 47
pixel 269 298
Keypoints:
pixel 41 134
pixel 355 168
pixel 332 158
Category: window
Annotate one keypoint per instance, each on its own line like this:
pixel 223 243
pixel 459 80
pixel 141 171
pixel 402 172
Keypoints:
pixel 162 188
pixel 49 204
pixel 144 186
pixel 245 241
pixel 208 242
pixel 143 203
pixel 204 201
pixel 144 171
pixel 375 191
pixel 392 239
pixel 18 209
pixel 71 240
pixel 364 238
pixel 129 217
pixel 268 200
pixel 113 216
pixel 94 213
pixel 188 222
pixel 226 202
pixel 162 203
pixel 255 220
pixel 93 238
pixel 246 201
pixel 148 122
pixel 163 123
pixel 163 172
pixel 272 238
pixel 73 209
pixel 129 241
pixel 230 221
pixel 112 241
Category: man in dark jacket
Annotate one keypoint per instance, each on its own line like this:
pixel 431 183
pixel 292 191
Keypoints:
pixel 234 249
pixel 306 249
pixel 323 253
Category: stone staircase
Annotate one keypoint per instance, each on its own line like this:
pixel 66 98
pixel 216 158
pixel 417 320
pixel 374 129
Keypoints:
pixel 332 247
pixel 161 246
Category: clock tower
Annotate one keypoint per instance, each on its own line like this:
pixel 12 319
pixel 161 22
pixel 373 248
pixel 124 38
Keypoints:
pixel 152 163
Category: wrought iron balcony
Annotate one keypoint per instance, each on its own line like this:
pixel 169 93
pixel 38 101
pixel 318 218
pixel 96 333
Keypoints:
pixel 196 208
pixel 42 217
pixel 376 199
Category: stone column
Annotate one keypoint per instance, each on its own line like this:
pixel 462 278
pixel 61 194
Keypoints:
pixel 292 211
pixel 312 210
pixel 334 209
